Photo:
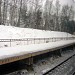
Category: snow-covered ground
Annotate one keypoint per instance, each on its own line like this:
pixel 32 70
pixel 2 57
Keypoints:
pixel 30 49
pixel 11 32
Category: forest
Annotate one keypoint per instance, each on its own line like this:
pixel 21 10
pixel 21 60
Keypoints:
pixel 38 14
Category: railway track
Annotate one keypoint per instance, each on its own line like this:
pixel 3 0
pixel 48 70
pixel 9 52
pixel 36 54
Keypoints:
pixel 62 68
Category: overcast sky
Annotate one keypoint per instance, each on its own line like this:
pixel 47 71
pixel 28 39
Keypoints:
pixel 63 2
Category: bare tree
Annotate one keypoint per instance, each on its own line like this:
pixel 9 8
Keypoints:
pixel 71 13
pixel 57 8
pixel 65 18
pixel 18 23
pixel 5 7
pixel 13 12
pixel 24 15
pixel 35 13
pixel 31 15
pixel 47 14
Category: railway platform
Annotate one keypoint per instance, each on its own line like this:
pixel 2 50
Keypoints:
pixel 12 54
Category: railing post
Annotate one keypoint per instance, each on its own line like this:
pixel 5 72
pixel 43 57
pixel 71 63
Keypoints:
pixel 48 39
pixel 10 42
pixel 55 39
pixel 39 40
pixel 27 41
pixel 34 40
pixel 52 39
pixel 31 41
pixel 44 40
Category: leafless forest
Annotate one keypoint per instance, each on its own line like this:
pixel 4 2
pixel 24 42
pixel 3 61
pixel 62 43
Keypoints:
pixel 37 14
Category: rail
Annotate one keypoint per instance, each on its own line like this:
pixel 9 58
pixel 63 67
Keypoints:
pixel 27 41
pixel 57 65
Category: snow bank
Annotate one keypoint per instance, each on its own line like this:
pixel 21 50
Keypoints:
pixel 10 32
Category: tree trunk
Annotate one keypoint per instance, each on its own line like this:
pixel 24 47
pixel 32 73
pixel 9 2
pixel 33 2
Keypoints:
pixel 18 24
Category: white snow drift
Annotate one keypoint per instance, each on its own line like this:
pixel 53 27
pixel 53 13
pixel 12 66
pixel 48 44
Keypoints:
pixel 11 32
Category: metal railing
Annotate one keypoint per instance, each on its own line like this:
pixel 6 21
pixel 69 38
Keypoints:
pixel 27 41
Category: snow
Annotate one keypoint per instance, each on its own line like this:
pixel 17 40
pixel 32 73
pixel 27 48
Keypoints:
pixel 10 32
pixel 29 49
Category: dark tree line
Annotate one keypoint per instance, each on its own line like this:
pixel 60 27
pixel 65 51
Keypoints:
pixel 32 14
